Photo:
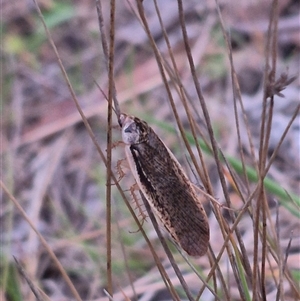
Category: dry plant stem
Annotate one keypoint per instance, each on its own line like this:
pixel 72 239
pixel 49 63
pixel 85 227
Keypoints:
pixel 235 271
pixel 162 72
pixel 210 131
pixel 41 182
pixel 237 94
pixel 175 78
pixel 198 90
pixel 282 263
pixel 43 241
pixel 293 286
pixel 270 184
pixel 236 222
pixel 238 218
pixel 161 269
pixel 106 56
pixel 201 99
pixel 109 58
pixel 35 290
pixel 165 81
pixel 236 91
pixel 275 252
pixel 205 282
pixel 264 236
pixel 214 262
pixel 264 247
pixel 109 147
pixel 167 250
pixel 264 198
pixel 228 237
pixel 234 257
pixel 245 119
pixel 203 175
pixel 103 39
pixel 108 295
pixel 212 257
pixel 237 182
pixel 159 265
pixel 173 73
pixel 125 259
pixel 279 295
pixel 73 289
pixel 92 137
pixel 183 93
pixel 265 131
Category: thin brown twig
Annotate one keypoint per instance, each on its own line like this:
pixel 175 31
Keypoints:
pixel 284 265
pixel 205 282
pixel 200 95
pixel 236 92
pixel 162 72
pixel 202 102
pixel 210 130
pixel 203 175
pixel 43 241
pixel 93 137
pixel 109 146
pixel 168 252
pixel 106 56
pixel 261 162
pixel 213 260
pixel 165 81
pixel 125 257
pixel 279 295
pixel 207 119
pixel 266 127
pixel 35 290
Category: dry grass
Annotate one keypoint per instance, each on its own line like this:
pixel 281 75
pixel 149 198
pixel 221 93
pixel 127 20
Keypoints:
pixel 208 77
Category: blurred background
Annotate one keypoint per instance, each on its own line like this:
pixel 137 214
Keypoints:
pixel 49 162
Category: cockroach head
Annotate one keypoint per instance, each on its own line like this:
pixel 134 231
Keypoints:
pixel 134 130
